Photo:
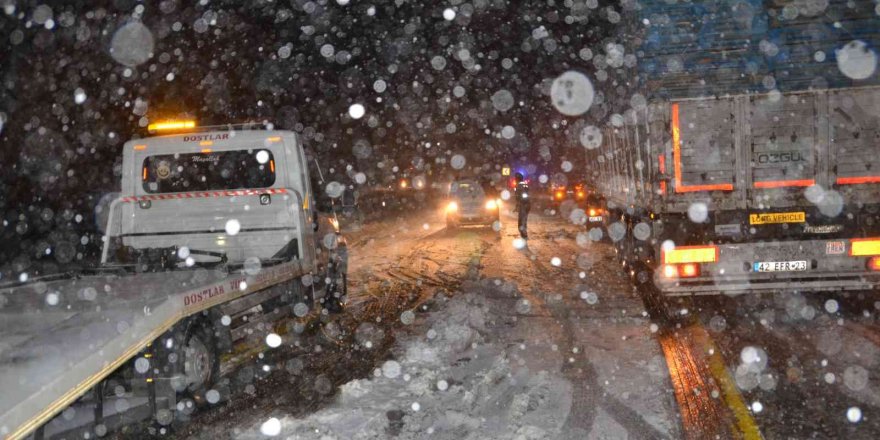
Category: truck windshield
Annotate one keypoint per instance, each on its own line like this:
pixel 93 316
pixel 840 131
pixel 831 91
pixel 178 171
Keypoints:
pixel 239 169
pixel 461 189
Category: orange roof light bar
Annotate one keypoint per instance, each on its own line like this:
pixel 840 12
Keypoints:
pixel 863 247
pixel 274 138
pixel 784 183
pixel 171 125
pixel 206 143
pixel 206 150
pixel 676 159
pixel 140 147
pixel 691 254
pixel 857 180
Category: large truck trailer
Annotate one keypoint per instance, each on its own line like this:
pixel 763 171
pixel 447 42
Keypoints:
pixel 748 170
pixel 216 244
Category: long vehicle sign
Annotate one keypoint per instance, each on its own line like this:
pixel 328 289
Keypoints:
pixel 777 217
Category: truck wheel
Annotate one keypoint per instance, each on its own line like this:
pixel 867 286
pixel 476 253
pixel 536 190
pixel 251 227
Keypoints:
pixel 200 365
pixel 336 291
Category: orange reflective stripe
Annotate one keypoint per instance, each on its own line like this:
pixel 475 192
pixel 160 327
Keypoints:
pixel 676 146
pixel 716 187
pixel 857 180
pixel 676 161
pixel 661 161
pixel 784 183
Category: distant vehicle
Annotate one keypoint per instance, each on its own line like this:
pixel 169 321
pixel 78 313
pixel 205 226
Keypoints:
pixel 222 231
pixel 594 207
pixel 469 203
pixel 576 192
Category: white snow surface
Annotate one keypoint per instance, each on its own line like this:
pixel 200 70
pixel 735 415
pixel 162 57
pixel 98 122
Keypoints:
pixel 486 398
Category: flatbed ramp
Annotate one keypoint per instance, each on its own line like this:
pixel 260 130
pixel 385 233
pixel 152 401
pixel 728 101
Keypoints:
pixel 50 332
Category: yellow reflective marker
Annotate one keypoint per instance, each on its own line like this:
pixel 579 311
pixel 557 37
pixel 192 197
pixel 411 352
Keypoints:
pixel 691 254
pixel 863 247
pixel 505 171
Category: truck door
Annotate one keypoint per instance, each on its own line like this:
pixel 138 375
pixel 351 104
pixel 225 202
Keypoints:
pixel 854 119
pixel 783 144
pixel 703 146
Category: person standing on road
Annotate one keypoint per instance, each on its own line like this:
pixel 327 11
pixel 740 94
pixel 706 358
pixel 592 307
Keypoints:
pixel 523 205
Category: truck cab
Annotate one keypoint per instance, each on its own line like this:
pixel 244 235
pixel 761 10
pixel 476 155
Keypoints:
pixel 211 196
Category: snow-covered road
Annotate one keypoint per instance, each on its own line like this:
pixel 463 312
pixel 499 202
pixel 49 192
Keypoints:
pixel 545 342
pixel 460 334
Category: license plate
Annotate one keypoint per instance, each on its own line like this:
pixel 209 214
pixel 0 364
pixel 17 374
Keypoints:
pixel 777 217
pixel 595 218
pixel 780 266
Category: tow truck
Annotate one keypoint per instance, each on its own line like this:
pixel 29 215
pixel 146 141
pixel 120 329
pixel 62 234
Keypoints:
pixel 216 245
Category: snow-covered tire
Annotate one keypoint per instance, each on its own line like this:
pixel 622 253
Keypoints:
pixel 336 290
pixel 200 362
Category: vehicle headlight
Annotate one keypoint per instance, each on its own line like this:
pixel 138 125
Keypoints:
pixel 491 204
pixel 452 207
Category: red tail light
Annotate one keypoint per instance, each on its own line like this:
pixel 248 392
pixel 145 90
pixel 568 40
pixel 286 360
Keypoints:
pixel 874 264
pixel 689 270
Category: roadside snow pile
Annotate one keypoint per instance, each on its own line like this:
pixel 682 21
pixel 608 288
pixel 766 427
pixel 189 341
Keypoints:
pixel 451 381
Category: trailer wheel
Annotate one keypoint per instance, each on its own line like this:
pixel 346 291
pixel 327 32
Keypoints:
pixel 200 363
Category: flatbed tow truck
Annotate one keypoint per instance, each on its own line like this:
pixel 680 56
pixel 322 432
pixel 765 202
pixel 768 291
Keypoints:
pixel 215 244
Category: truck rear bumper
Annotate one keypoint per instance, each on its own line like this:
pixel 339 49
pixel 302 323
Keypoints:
pixel 769 266
pixel 800 284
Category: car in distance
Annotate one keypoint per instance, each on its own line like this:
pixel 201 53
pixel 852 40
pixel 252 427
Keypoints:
pixel 469 203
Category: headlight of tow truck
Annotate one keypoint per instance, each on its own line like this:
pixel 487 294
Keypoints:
pixel 491 205
pixel 452 207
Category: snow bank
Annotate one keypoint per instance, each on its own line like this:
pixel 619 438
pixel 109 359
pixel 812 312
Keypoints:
pixel 453 379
